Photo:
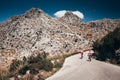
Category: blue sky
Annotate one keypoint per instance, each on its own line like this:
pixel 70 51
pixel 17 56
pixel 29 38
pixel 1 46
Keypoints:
pixel 92 9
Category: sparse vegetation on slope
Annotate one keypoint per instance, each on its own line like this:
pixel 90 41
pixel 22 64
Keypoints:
pixel 38 65
pixel 4 75
pixel 33 64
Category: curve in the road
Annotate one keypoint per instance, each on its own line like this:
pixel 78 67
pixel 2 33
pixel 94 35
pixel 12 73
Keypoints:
pixel 75 68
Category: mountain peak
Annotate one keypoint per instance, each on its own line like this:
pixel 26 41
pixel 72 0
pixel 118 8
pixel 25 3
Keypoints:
pixel 70 14
pixel 71 18
pixel 34 10
pixel 34 13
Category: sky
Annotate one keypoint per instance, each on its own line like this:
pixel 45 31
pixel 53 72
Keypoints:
pixel 91 9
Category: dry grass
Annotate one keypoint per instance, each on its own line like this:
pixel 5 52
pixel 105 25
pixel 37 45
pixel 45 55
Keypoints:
pixel 4 75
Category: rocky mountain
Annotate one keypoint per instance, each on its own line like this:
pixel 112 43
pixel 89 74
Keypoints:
pixel 70 19
pixel 35 30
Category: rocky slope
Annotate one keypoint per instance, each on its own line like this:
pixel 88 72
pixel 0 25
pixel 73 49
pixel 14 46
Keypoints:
pixel 37 31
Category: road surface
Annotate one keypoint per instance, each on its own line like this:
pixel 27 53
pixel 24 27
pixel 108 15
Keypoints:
pixel 75 68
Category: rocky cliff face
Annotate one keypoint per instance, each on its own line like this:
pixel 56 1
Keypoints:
pixel 70 19
pixel 37 31
pixel 101 28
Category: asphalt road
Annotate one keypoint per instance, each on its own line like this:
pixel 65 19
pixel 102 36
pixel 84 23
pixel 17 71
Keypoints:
pixel 75 68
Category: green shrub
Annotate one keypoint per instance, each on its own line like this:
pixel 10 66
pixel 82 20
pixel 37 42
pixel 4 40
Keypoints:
pixel 4 76
pixel 41 62
pixel 106 48
pixel 33 64
pixel 58 65
pixel 24 69
pixel 47 65
pixel 15 65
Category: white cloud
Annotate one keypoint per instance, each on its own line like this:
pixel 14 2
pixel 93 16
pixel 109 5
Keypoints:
pixel 62 12
pixel 79 14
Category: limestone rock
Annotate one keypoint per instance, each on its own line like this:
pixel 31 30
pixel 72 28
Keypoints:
pixel 37 31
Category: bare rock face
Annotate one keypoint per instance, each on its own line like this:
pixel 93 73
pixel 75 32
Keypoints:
pixel 37 31
pixel 71 19
pixel 101 28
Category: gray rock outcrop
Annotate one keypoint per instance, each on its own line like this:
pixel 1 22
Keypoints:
pixel 37 31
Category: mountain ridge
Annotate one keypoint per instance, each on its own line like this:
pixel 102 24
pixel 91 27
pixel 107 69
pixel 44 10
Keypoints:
pixel 36 31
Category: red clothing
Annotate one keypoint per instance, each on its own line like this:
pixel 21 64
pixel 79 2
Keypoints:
pixel 89 54
pixel 81 52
